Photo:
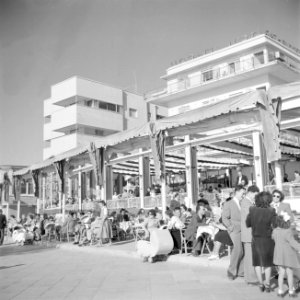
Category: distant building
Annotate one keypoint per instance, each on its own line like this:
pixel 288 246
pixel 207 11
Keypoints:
pixel 255 62
pixel 82 110
pixel 7 198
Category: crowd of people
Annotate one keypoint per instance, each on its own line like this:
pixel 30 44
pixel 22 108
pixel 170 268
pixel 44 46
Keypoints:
pixel 264 238
pixel 258 226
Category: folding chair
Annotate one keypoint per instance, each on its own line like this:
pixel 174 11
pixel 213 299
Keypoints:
pixel 205 245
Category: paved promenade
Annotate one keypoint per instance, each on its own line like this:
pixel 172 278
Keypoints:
pixel 70 272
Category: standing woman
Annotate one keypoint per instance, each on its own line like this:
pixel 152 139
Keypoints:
pixel 280 206
pixel 261 219
pixel 105 226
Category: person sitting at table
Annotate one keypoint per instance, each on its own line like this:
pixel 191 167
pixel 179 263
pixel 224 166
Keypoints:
pixel 222 237
pixel 150 223
pixel 141 216
pixel 85 236
pixel 122 216
pixel 177 220
pixel 199 219
pixel 185 213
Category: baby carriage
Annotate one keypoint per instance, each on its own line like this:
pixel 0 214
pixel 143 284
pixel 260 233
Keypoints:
pixel 161 243
pixel 21 235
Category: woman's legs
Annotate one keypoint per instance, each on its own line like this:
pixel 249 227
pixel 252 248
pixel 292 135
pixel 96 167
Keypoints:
pixel 258 271
pixel 216 250
pixel 290 278
pixel 267 275
pixel 281 274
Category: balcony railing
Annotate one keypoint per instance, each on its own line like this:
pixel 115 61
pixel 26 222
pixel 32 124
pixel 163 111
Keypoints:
pixel 213 74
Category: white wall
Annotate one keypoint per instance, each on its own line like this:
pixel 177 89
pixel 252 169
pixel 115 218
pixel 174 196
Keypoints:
pixel 96 90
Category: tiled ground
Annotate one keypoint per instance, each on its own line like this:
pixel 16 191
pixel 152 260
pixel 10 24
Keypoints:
pixel 62 274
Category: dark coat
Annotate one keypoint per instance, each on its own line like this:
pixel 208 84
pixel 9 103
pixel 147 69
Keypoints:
pixel 2 221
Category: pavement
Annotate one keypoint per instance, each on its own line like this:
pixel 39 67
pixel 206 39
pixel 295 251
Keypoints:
pixel 66 271
pixel 127 250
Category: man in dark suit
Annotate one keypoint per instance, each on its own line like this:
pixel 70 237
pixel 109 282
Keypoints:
pixel 2 226
pixel 241 179
pixel 231 218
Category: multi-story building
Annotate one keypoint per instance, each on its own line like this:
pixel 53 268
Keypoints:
pixel 253 62
pixel 82 110
pixel 256 62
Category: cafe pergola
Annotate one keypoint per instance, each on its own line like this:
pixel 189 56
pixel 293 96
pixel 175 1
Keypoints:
pixel 254 129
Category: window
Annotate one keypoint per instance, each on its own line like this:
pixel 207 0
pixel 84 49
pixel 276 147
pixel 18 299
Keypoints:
pixel 208 75
pixel 133 113
pixel 89 103
pixel 259 58
pixel 231 68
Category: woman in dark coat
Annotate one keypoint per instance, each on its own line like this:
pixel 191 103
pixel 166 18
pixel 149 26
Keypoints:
pixel 261 219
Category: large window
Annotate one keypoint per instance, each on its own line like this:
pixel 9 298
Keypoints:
pixel 103 105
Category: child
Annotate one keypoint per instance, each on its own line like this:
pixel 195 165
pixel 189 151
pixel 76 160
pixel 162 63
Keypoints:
pixel 286 251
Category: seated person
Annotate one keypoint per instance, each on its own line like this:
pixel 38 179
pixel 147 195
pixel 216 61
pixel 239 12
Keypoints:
pixel 141 216
pixel 199 219
pixel 174 202
pixel 68 224
pixel 150 223
pixel 122 216
pixel 185 213
pixel 86 233
pixel 222 237
pixel 176 221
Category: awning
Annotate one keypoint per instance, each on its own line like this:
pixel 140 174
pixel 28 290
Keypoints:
pixel 48 162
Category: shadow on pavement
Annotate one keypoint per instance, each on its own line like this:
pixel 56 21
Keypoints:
pixel 21 250
pixel 8 267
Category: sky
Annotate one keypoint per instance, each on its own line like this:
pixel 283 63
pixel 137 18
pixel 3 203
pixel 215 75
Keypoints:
pixel 125 43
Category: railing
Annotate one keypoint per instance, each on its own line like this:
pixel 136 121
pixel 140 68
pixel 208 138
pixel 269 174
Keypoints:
pixel 208 75
pixel 290 190
pixel 135 202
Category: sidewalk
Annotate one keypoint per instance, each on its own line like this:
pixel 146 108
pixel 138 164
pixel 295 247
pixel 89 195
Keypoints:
pixel 127 250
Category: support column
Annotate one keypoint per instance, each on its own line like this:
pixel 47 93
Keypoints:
pixel 108 183
pixel 51 188
pixel 43 190
pixel 163 197
pixel 278 175
pixel 69 187
pixel 144 178
pixel 192 184
pixel 260 161
pixel 87 184
pixel 79 189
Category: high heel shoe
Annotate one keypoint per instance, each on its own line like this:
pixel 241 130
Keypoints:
pixel 267 288
pixel 262 288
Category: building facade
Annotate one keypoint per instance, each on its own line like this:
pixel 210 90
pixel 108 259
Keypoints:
pixel 256 62
pixel 81 110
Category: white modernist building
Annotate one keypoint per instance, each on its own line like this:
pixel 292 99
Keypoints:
pixel 81 110
pixel 257 62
